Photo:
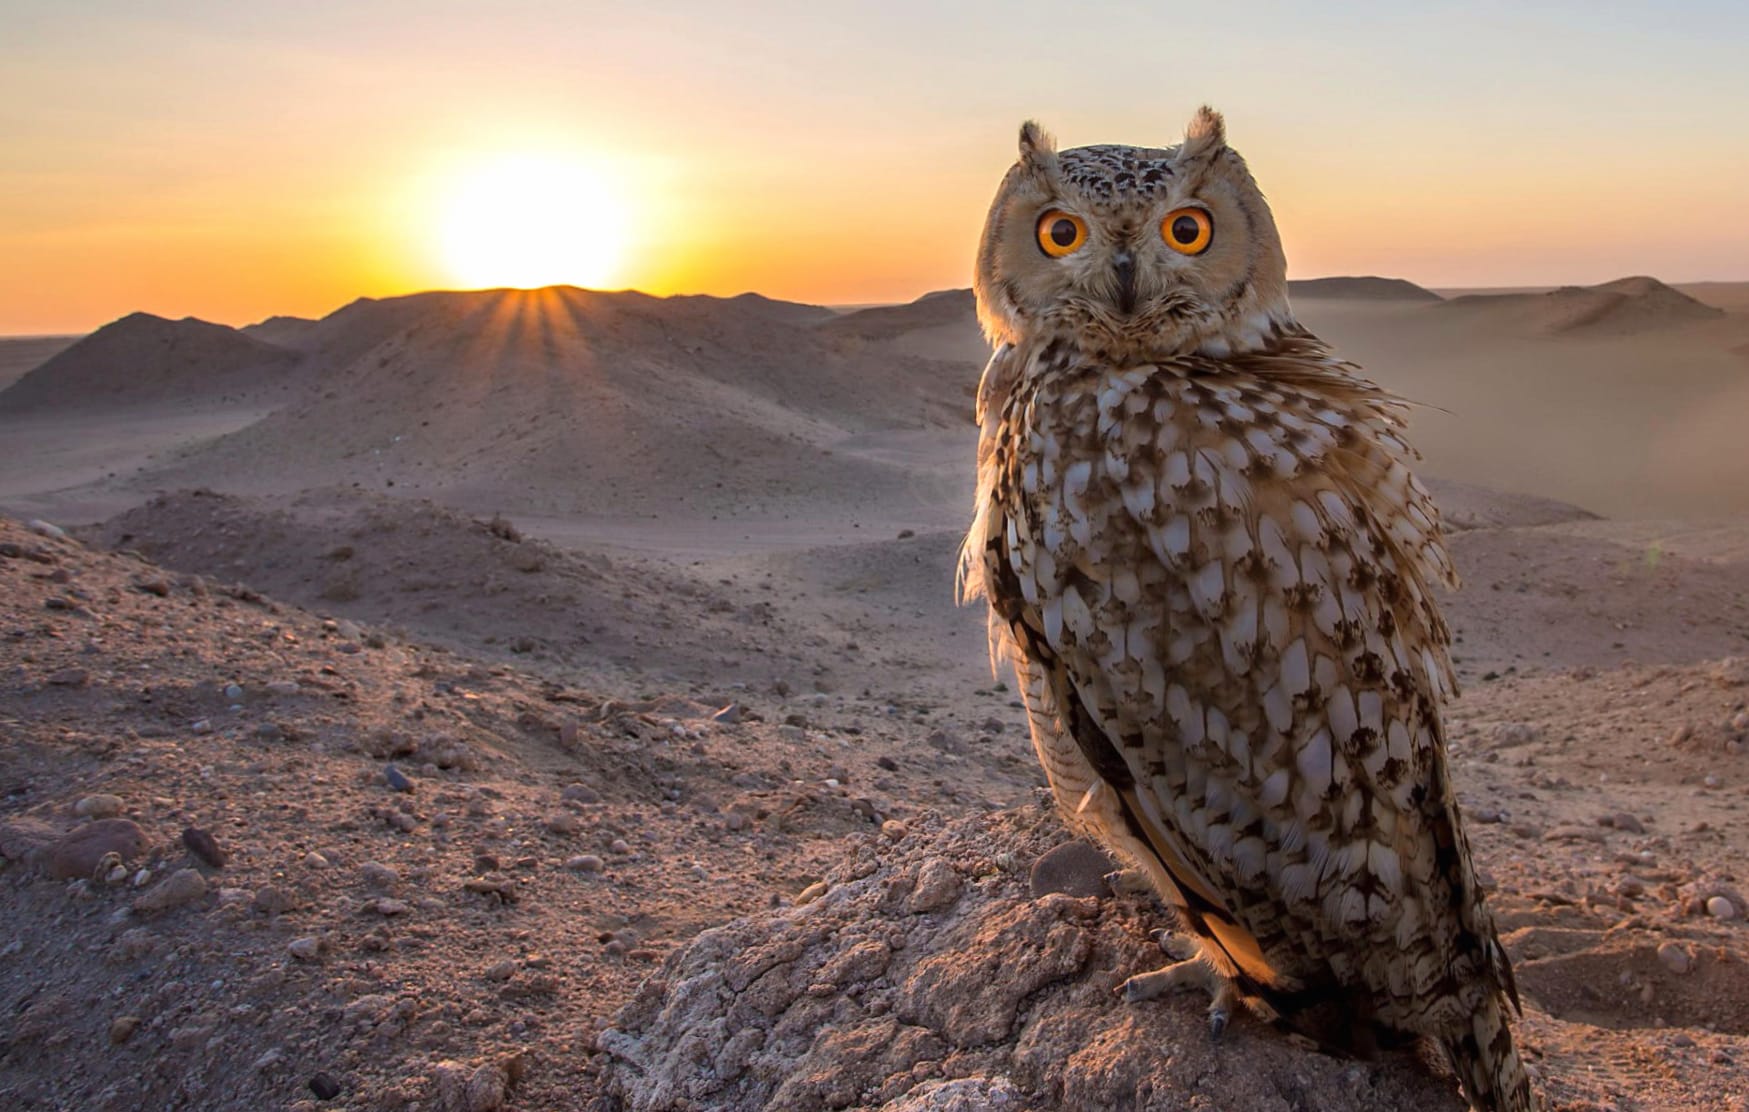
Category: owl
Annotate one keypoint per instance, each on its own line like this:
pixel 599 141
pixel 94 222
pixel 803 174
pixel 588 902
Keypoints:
pixel 1207 559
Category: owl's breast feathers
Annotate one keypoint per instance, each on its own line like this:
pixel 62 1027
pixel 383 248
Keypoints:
pixel 1220 570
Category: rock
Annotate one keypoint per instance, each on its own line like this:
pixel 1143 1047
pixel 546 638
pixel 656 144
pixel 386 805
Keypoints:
pixel 585 863
pixel 580 793
pixel 122 1028
pixel 153 585
pixel 378 875
pixel 1675 957
pixel 1005 1004
pixel 811 893
pixel 25 839
pixel 305 949
pixel 271 899
pixel 499 971
pixel 893 830
pixel 481 1089
pixel 283 687
pixel 387 907
pixel 325 1086
pixel 727 716
pixel 98 806
pixel 1721 908
pixel 396 779
pixel 69 677
pixel 233 692
pixel 46 529
pixel 204 846
pixel 1621 820
pixel 79 853
pixel 182 887
pixel 1072 869
pixel 315 860
pixel 563 824
pixel 938 886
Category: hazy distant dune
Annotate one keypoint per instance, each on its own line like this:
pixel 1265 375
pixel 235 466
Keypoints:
pixel 1364 288
pixel 1624 305
pixel 20 354
pixel 143 359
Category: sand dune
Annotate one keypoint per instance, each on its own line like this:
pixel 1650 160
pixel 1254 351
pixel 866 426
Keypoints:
pixel 20 354
pixel 142 359
pixel 574 401
pixel 1364 288
pixel 1624 305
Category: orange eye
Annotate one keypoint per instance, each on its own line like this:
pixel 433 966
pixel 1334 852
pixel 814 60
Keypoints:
pixel 1060 233
pixel 1187 230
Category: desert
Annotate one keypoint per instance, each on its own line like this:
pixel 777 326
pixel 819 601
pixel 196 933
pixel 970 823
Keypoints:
pixel 546 699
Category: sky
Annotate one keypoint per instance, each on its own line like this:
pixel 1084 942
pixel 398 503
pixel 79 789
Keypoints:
pixel 236 160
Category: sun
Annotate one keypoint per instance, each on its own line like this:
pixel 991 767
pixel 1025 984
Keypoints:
pixel 531 220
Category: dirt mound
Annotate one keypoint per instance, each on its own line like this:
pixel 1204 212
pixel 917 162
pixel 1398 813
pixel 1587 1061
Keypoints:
pixel 567 400
pixel 940 326
pixel 1366 288
pixel 931 972
pixel 1626 305
pixel 143 359
pixel 451 579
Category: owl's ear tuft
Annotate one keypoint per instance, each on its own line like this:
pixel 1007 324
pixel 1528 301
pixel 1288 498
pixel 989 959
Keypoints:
pixel 1037 148
pixel 1204 137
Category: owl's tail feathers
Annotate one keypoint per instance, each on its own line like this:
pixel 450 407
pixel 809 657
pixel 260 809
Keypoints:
pixel 1487 1063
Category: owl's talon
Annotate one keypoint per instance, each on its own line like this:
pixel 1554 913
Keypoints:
pixel 1176 977
pixel 1128 882
pixel 1217 1023
pixel 1221 1007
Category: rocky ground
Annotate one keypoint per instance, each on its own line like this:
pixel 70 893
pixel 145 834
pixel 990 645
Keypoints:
pixel 264 856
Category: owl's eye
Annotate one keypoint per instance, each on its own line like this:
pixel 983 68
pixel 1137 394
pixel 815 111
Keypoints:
pixel 1061 233
pixel 1187 230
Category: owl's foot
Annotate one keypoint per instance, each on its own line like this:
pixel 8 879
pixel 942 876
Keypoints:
pixel 1129 882
pixel 1180 976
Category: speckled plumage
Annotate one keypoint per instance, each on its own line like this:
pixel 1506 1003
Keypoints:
pixel 1210 565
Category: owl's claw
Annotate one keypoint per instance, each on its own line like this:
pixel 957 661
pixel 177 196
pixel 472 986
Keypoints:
pixel 1128 882
pixel 1180 976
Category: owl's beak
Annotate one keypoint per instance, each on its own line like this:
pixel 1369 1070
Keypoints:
pixel 1124 264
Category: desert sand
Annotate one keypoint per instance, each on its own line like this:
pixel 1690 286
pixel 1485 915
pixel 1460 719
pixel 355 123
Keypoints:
pixel 566 697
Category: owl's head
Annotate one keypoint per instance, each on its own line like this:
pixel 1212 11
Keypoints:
pixel 1135 253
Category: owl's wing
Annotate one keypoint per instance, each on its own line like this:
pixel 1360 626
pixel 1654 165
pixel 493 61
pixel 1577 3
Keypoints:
pixel 1253 662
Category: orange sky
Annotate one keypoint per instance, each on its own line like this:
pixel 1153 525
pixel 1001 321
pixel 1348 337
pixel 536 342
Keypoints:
pixel 229 161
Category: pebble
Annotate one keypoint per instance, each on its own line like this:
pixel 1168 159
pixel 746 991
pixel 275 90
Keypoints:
pixel 893 830
pixel 564 824
pixel 620 846
pixel 184 886
pixel 585 863
pixel 378 875
pixel 1675 958
pixel 69 677
pixel 99 806
pixel 887 763
pixel 304 949
pixel 1721 908
pixel 122 1028
pixel 735 820
pixel 201 726
pixel 204 846
pixel 580 793
pixel 500 971
pixel 46 529
pixel 283 687
pixel 396 779
pixel 325 1086
pixel 315 860
pixel 390 907
pixel 233 692
pixel 811 893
